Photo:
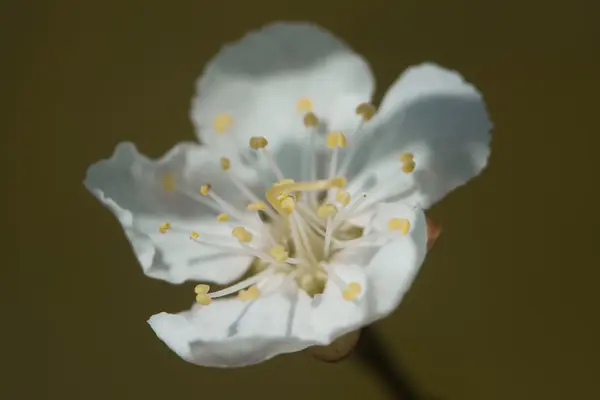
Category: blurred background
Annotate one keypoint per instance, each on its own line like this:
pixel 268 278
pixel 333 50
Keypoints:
pixel 506 305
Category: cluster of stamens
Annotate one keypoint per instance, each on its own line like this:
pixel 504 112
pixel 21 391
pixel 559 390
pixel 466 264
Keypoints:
pixel 301 225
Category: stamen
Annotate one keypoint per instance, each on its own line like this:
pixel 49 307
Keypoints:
pixel 241 234
pixel 408 162
pixel 303 241
pixel 257 206
pixel 304 104
pixel 311 120
pixel 260 142
pixel 241 285
pixel 350 291
pixel 202 296
pixel 222 122
pixel 343 197
pixel 367 111
pixel 225 163
pixel 252 293
pixel 223 217
pixel 206 190
pixel 327 211
pixel 279 253
pixel 335 141
pixel 348 211
pixel 164 228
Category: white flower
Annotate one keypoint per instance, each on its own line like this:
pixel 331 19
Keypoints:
pixel 309 259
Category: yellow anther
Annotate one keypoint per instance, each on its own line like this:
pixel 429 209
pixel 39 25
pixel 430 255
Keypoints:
pixel 225 163
pixel 279 253
pixel 288 204
pixel 164 228
pixel 352 291
pixel 203 299
pixel 241 234
pixel 205 189
pixel 336 139
pixel 222 122
pixel 343 197
pixel 201 289
pixel 258 206
pixel 399 224
pixel 223 217
pixel 366 110
pixel 168 182
pixel 408 167
pixel 310 120
pixel 258 142
pixel 326 211
pixel 304 104
pixel 339 182
pixel 406 157
pixel 194 235
pixel 251 293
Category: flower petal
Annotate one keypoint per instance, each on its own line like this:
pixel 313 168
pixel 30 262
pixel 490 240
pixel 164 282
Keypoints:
pixel 263 84
pixel 143 194
pixel 231 333
pixel 434 114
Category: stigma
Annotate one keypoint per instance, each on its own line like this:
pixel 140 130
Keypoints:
pixel 295 229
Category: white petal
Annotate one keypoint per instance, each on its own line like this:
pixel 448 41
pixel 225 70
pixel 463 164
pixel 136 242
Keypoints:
pixel 132 187
pixel 258 81
pixel 231 333
pixel 433 113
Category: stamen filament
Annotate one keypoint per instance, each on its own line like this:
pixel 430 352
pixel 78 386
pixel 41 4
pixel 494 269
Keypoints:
pixel 347 212
pixel 356 139
pixel 273 164
pixel 241 285
pixel 297 221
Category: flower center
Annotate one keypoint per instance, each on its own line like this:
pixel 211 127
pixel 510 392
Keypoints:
pixel 296 230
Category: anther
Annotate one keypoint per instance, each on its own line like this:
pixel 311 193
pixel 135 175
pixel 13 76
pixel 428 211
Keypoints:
pixel 225 163
pixel 352 291
pixel 304 104
pixel 408 167
pixel 343 197
pixel 205 189
pixel 399 224
pixel 241 234
pixel 168 182
pixel 257 206
pixel 336 140
pixel 279 253
pixel 310 120
pixel 326 211
pixel 222 122
pixel 194 235
pixel 258 142
pixel 288 203
pixel 223 217
pixel 164 228
pixel 366 111
pixel 202 296
pixel 251 293
pixel 339 182
pixel 406 157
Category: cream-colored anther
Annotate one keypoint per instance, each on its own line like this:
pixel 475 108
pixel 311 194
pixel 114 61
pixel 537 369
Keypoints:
pixel 336 140
pixel 311 120
pixel 366 111
pixel 352 291
pixel 241 234
pixel 339 182
pixel 304 104
pixel 164 227
pixel 225 163
pixel 258 142
pixel 327 210
pixel 343 197
pixel 251 293
pixel 222 122
pixel 279 253
pixel 258 206
pixel 223 217
pixel 194 235
pixel 399 224
pixel 168 182
pixel 205 189
pixel 202 294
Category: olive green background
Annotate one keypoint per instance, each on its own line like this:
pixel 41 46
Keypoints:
pixel 505 307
